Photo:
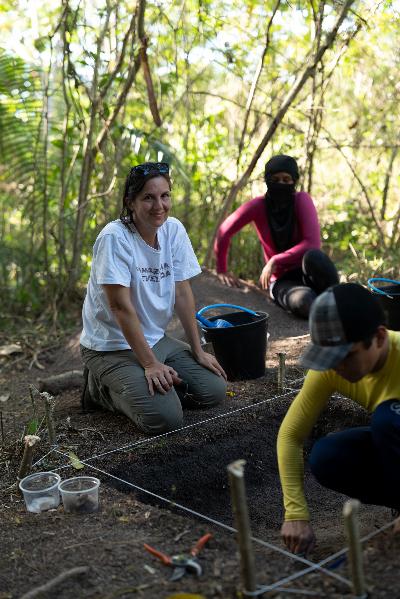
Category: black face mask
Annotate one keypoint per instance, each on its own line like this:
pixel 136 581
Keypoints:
pixel 280 194
pixel 279 202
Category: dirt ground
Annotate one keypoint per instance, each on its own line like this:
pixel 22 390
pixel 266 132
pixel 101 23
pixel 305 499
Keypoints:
pixel 170 490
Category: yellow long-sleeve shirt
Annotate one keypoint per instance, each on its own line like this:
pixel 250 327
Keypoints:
pixel 318 386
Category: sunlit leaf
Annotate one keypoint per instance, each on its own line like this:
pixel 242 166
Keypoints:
pixel 75 461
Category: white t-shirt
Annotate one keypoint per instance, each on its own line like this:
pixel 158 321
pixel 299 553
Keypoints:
pixel 122 257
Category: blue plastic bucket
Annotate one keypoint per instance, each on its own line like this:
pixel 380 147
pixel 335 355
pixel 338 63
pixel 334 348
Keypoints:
pixel 389 298
pixel 241 348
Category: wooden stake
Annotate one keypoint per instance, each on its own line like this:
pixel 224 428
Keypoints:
pixel 350 516
pixel 281 371
pixel 48 408
pixel 241 514
pixel 26 463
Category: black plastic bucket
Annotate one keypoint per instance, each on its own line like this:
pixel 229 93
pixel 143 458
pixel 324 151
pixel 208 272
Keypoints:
pixel 241 348
pixel 389 298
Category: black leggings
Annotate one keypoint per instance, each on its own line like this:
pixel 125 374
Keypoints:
pixel 296 290
pixel 363 462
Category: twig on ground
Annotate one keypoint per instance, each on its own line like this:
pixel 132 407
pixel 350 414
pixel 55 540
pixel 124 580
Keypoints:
pixel 181 534
pixel 36 362
pixel 92 430
pixel 54 581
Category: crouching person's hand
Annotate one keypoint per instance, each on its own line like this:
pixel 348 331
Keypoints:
pixel 298 536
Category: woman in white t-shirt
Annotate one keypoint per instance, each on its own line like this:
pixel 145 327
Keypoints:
pixel 140 274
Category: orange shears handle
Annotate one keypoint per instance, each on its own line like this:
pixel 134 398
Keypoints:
pixel 200 544
pixel 164 558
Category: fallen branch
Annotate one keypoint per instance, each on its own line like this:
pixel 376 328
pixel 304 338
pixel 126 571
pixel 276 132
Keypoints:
pixel 36 362
pixel 54 581
pixel 57 383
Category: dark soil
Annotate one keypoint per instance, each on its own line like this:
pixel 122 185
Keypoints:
pixel 170 477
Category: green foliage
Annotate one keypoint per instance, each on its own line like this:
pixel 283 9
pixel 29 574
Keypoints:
pixel 32 427
pixel 59 91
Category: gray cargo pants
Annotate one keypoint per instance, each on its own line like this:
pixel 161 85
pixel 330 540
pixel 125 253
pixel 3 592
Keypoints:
pixel 117 383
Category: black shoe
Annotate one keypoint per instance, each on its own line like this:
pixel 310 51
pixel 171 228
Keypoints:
pixel 87 403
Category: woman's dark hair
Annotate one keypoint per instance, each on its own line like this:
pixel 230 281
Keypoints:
pixel 136 180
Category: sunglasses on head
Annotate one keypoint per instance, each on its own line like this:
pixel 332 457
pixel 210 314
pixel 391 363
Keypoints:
pixel 150 167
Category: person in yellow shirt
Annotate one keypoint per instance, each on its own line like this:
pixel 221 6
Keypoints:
pixel 352 353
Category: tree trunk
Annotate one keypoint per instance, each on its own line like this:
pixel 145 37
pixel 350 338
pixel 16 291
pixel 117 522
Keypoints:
pixel 291 96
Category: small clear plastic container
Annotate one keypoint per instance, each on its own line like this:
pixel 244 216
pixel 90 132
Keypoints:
pixel 80 494
pixel 41 491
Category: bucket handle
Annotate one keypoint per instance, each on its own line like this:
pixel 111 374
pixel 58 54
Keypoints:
pixel 200 312
pixel 382 291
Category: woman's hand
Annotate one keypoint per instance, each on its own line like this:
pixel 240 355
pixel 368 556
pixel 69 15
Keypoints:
pixel 268 270
pixel 298 536
pixel 228 279
pixel 161 378
pixel 209 361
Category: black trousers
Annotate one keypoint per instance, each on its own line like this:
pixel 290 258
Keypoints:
pixel 363 462
pixel 296 290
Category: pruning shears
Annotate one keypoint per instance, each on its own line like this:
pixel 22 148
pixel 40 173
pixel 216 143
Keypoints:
pixel 184 562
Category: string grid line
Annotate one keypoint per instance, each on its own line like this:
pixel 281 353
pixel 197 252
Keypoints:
pixel 312 567
pixel 275 548
pixel 129 446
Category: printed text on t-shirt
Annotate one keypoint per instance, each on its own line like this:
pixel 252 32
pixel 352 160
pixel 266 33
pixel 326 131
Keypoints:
pixel 154 275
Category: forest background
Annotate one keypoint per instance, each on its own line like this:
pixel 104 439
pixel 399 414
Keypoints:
pixel 214 87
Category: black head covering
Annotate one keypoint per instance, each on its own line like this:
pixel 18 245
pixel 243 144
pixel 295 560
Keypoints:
pixel 279 200
pixel 282 164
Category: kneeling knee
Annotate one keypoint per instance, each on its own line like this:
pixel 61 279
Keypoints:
pixel 385 422
pixel 157 424
pixel 215 394
pixel 299 301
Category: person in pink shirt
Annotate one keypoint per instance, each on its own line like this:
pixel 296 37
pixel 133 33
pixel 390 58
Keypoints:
pixel 286 221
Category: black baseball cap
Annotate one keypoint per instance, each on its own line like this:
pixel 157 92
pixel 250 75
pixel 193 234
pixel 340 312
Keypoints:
pixel 342 315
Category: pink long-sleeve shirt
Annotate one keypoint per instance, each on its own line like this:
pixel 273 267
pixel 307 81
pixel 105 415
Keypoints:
pixel 306 233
